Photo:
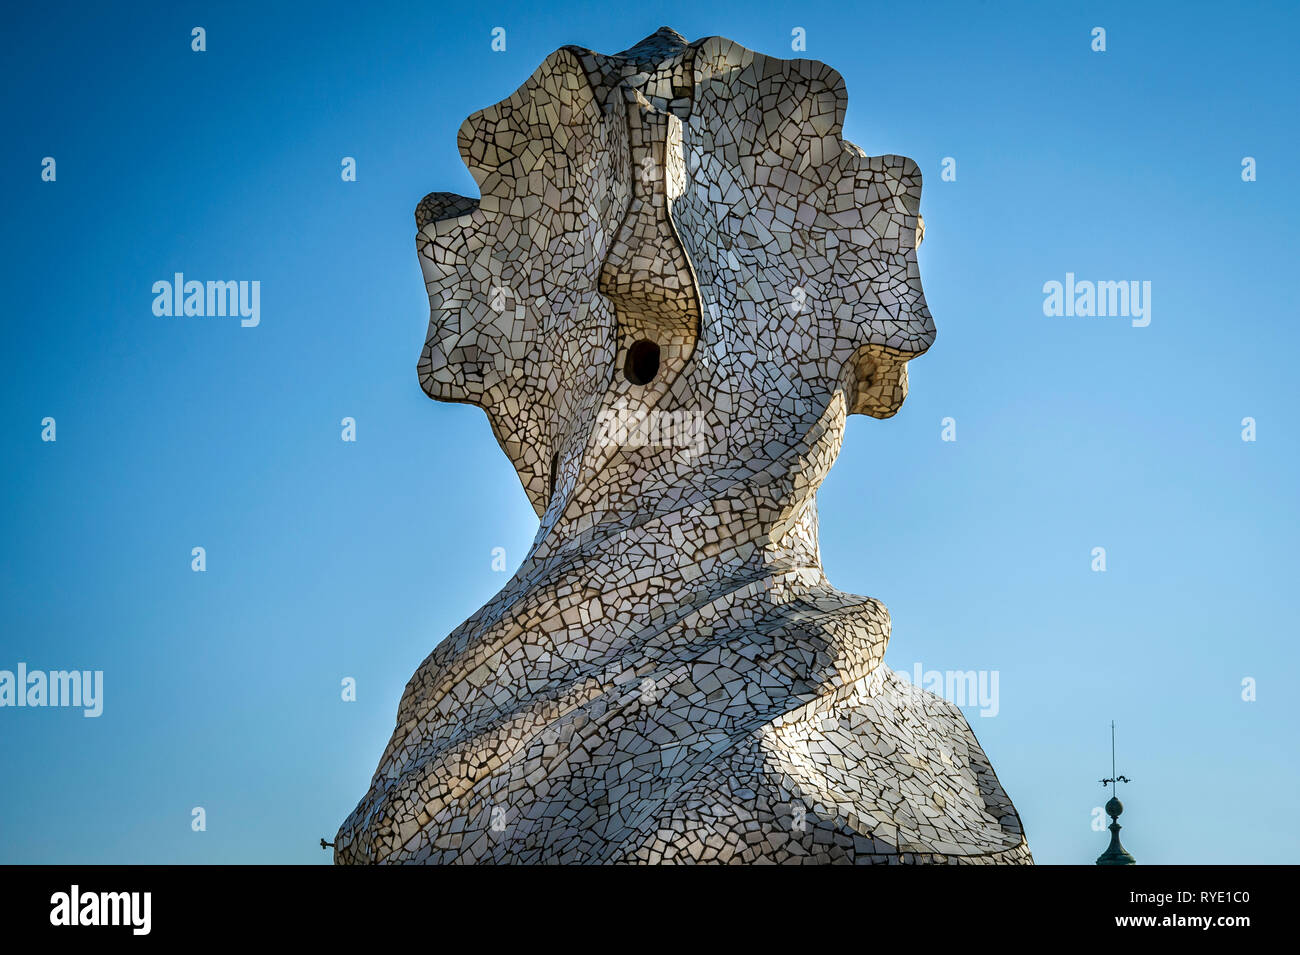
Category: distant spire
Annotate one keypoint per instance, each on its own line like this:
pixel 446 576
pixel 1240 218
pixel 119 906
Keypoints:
pixel 1115 853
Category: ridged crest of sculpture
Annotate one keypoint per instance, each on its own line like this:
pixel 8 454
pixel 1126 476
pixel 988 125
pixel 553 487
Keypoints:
pixel 677 283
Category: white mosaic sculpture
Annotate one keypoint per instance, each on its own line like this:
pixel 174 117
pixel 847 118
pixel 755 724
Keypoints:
pixel 678 283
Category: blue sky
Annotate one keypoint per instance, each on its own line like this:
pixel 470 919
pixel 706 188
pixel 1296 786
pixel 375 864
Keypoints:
pixel 329 560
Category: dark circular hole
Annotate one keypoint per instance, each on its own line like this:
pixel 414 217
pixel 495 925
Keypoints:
pixel 642 362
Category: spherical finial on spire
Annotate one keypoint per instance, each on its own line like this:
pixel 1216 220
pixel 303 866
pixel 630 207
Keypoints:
pixel 1114 807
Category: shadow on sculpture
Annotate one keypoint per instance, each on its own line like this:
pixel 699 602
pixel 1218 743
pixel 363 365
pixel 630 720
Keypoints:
pixel 678 282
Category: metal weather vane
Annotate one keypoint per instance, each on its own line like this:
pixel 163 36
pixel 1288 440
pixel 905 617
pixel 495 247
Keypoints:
pixel 1113 778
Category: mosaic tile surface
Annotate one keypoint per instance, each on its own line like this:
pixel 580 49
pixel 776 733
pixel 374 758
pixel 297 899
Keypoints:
pixel 677 284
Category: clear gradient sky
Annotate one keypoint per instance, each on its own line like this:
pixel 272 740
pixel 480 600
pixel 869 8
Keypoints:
pixel 329 560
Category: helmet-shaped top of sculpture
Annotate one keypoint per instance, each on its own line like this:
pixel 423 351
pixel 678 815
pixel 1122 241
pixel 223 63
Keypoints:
pixel 677 233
